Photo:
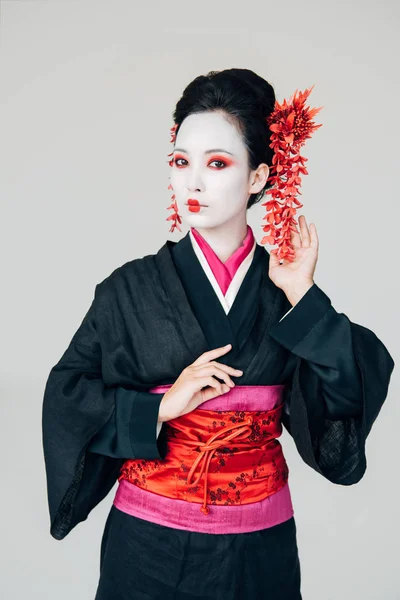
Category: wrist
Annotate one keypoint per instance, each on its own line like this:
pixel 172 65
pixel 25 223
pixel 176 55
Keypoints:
pixel 162 417
pixel 297 290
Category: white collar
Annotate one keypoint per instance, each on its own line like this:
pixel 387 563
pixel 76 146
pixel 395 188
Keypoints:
pixel 228 299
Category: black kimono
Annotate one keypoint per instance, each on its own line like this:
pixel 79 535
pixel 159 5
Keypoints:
pixel 150 319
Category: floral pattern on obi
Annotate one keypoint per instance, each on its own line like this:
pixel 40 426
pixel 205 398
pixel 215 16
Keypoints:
pixel 216 457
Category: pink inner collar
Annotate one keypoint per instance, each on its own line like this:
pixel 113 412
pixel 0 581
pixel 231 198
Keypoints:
pixel 224 272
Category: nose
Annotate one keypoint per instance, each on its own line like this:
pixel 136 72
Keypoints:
pixel 194 183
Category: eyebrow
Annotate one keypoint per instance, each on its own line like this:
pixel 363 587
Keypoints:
pixel 206 152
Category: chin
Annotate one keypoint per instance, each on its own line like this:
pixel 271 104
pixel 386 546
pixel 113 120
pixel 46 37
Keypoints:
pixel 194 219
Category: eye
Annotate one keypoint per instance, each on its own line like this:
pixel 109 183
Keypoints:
pixel 221 162
pixel 176 161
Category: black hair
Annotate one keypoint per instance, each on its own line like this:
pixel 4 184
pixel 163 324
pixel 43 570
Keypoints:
pixel 246 98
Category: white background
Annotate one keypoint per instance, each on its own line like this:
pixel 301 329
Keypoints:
pixel 87 94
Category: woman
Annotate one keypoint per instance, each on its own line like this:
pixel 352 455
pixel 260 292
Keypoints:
pixel 186 366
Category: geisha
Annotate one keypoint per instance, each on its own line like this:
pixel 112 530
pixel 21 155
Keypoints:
pixel 190 361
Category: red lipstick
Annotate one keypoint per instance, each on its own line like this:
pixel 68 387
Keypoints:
pixel 194 205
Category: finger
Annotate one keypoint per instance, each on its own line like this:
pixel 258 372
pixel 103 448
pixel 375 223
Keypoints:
pixel 208 369
pixel 220 388
pixel 211 354
pixel 273 259
pixel 208 393
pixel 314 236
pixel 226 368
pixel 305 234
pixel 295 238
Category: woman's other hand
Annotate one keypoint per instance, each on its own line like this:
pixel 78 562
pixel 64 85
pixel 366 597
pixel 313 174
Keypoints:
pixel 296 278
pixel 292 275
pixel 197 383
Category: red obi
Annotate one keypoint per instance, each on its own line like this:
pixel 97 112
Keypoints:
pixel 224 457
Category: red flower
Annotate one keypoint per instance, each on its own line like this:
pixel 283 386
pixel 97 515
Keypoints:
pixel 291 124
pixel 175 217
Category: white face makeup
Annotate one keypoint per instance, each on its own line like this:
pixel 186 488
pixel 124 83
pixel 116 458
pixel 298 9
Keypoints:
pixel 220 179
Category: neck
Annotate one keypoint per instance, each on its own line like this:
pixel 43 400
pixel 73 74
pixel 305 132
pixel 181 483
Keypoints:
pixel 224 239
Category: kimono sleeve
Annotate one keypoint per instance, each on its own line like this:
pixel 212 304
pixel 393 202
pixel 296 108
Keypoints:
pixel 338 386
pixel 315 332
pixel 129 432
pixel 77 404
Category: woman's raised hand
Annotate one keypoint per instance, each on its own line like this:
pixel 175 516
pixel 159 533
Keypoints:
pixel 187 392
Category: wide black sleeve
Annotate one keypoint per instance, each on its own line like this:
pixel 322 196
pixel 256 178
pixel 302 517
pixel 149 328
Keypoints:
pixel 333 403
pixel 132 430
pixel 314 331
pixel 76 406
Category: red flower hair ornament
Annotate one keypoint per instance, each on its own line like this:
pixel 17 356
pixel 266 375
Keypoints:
pixel 175 217
pixel 291 124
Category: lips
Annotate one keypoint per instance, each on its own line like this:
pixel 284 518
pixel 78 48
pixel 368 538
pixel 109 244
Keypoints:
pixel 194 205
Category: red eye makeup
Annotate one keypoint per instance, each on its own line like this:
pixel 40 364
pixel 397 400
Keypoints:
pixel 227 162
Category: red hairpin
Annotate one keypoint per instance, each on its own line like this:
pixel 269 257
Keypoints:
pixel 291 124
pixel 175 217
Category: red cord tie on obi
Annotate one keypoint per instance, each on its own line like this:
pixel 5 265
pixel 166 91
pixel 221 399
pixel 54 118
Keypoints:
pixel 240 431
pixel 208 448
